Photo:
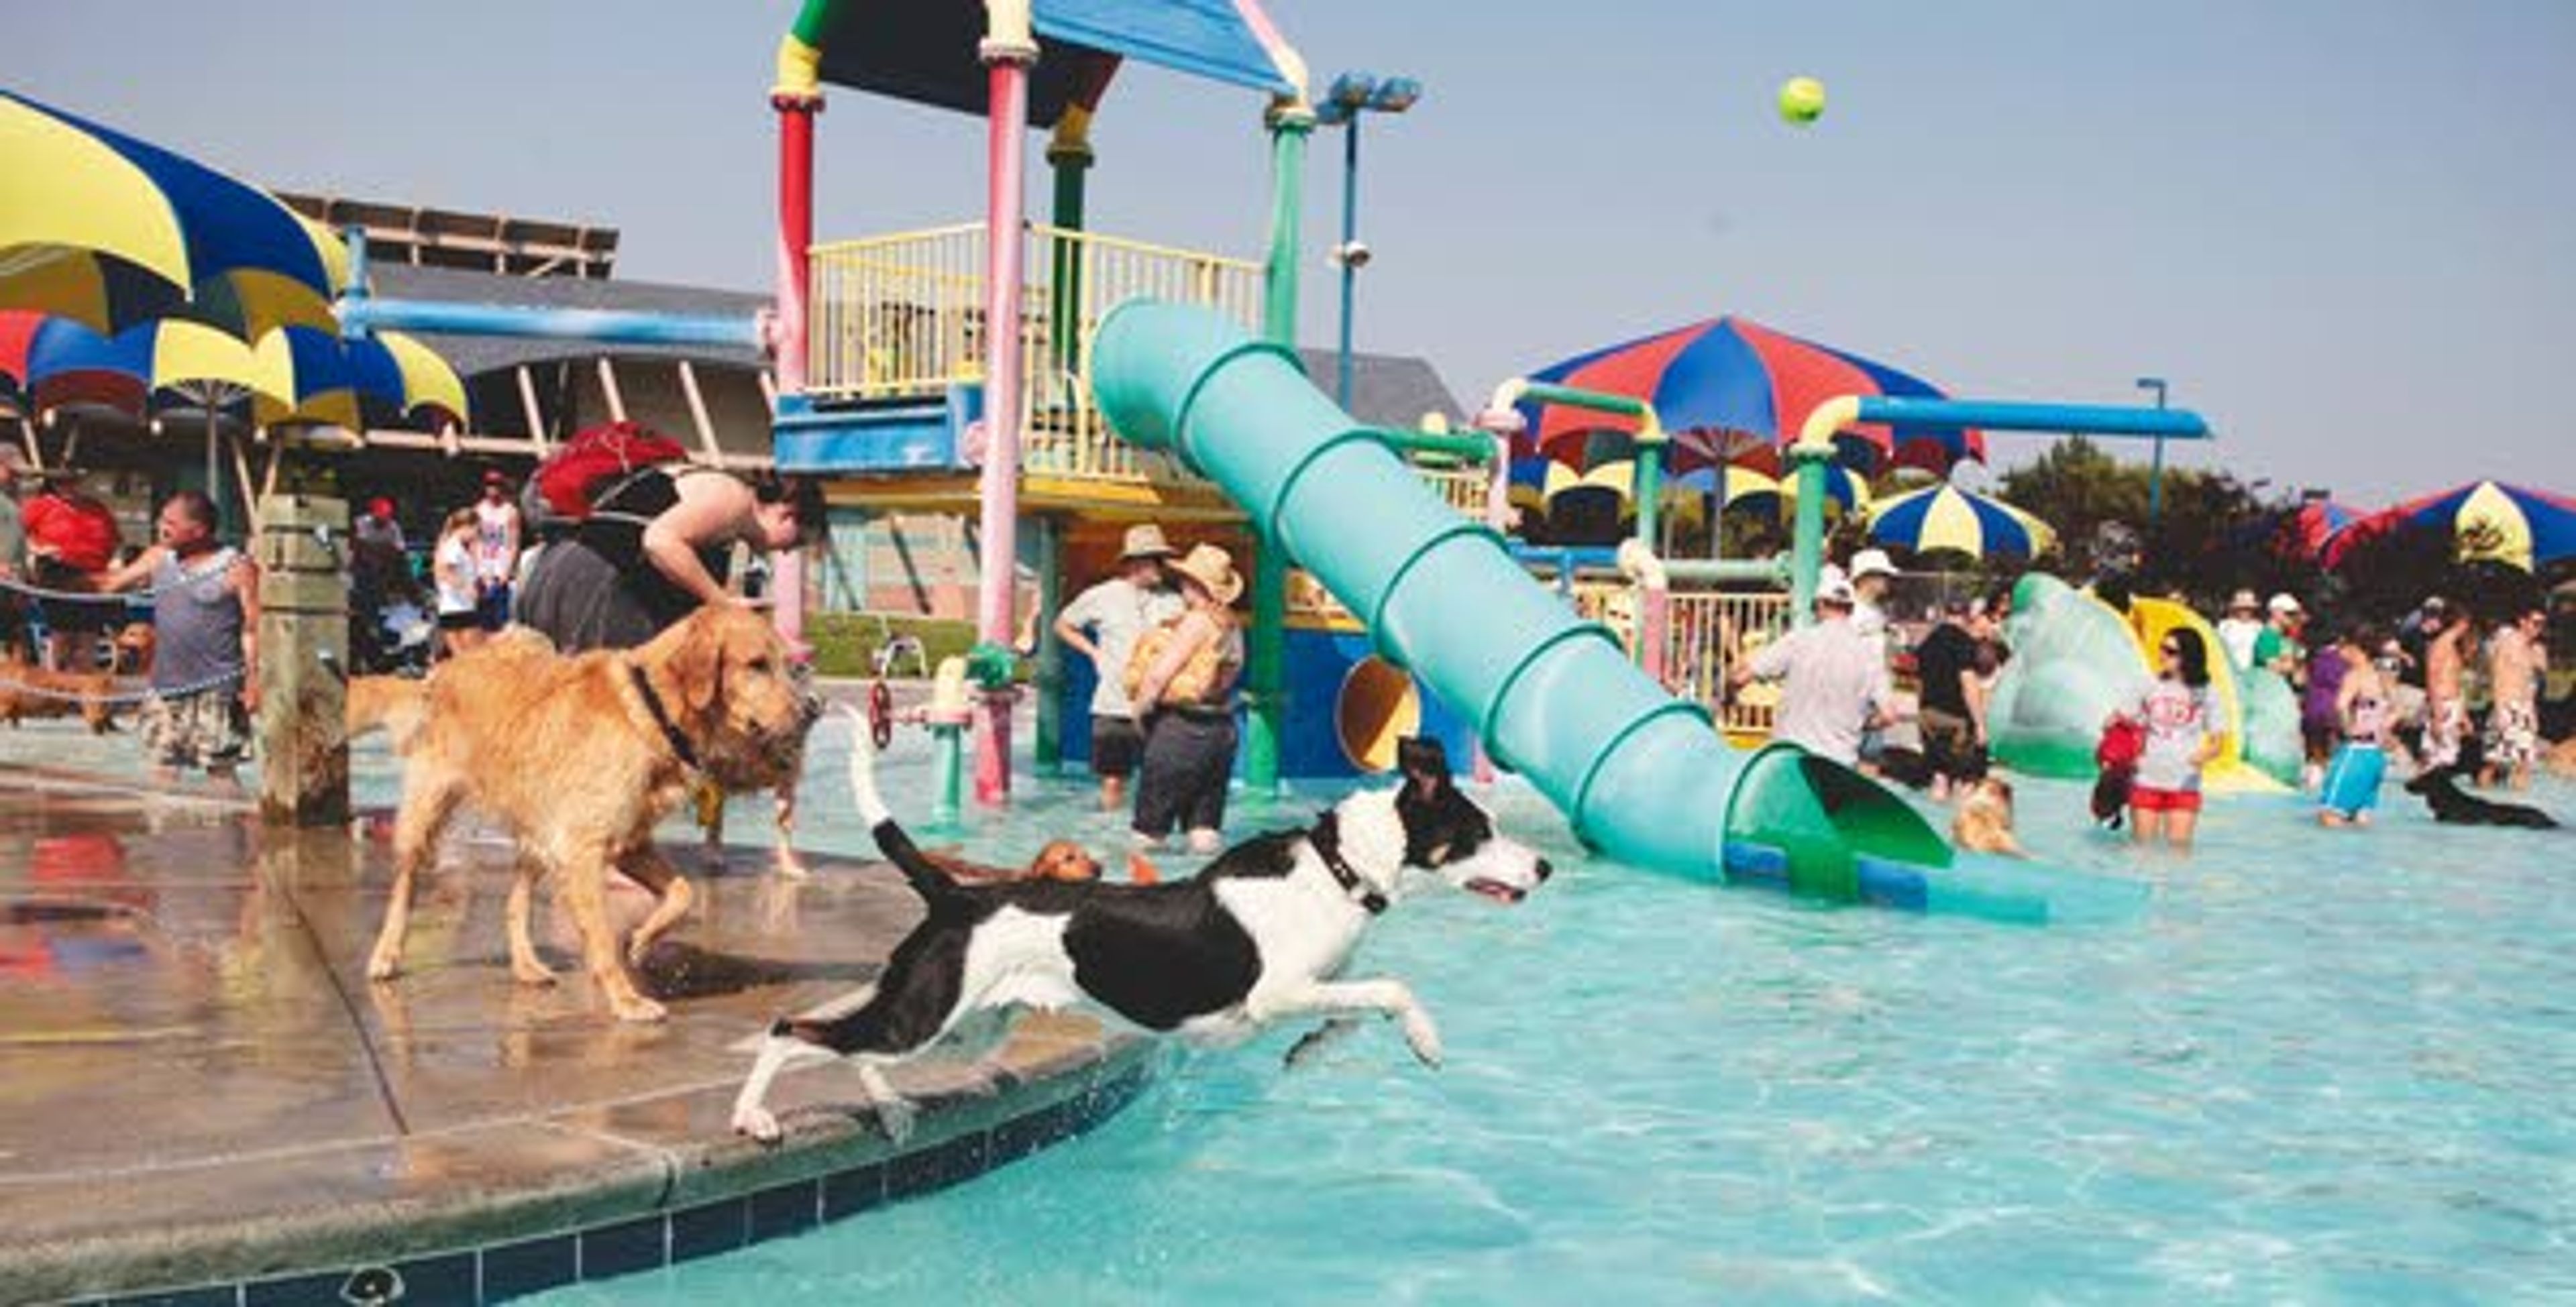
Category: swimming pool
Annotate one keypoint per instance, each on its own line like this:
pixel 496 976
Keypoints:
pixel 2320 1066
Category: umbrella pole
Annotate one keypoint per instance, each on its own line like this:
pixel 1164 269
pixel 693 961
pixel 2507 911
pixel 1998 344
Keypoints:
pixel 214 473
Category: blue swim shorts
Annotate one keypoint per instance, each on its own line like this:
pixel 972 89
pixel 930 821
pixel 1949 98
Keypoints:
pixel 2351 785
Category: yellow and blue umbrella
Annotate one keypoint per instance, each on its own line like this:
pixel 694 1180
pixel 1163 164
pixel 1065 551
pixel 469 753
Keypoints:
pixel 99 226
pixel 1746 489
pixel 1946 517
pixel 315 376
pixel 2488 520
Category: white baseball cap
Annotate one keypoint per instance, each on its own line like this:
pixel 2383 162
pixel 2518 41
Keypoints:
pixel 1871 562
pixel 2282 603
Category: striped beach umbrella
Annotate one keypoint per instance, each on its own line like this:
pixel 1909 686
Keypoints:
pixel 1747 489
pixel 314 376
pixel 1729 389
pixel 2486 520
pixel 1946 517
pixel 102 227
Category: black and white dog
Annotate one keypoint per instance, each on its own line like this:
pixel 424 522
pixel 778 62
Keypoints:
pixel 1260 935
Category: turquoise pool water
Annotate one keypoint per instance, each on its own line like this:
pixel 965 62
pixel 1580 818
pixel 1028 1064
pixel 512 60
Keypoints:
pixel 2320 1066
pixel 2317 1067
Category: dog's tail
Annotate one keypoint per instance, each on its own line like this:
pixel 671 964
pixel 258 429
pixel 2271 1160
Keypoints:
pixel 927 879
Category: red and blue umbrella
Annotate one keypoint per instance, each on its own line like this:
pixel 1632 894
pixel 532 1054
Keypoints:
pixel 1729 389
pixel 2317 523
pixel 2486 520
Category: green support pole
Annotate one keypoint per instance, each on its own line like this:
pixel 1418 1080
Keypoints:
pixel 1650 494
pixel 1807 543
pixel 1050 668
pixel 1072 165
pixel 1267 660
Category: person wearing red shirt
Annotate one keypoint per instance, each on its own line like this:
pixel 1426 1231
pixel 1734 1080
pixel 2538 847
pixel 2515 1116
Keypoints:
pixel 72 540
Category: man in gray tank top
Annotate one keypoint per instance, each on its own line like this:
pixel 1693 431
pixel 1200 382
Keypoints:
pixel 205 627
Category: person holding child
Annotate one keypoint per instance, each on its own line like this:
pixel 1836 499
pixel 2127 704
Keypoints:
pixel 2349 788
pixel 1184 695
pixel 1103 624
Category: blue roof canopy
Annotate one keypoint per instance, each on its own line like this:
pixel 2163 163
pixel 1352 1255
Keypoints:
pixel 924 51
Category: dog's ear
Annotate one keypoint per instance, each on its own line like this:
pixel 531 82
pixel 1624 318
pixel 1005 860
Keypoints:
pixel 1424 762
pixel 700 664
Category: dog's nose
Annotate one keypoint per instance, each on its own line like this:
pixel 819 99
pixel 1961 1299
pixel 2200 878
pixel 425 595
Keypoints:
pixel 813 708
pixel 1544 870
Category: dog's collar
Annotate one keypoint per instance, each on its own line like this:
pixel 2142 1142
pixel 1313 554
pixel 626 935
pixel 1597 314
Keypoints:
pixel 662 717
pixel 1327 839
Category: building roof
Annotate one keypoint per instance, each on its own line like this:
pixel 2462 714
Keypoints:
pixel 1387 390
pixel 474 355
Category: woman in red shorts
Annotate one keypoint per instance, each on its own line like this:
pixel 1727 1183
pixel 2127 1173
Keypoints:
pixel 2177 713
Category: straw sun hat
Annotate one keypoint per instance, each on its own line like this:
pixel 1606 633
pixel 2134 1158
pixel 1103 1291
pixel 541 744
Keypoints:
pixel 1144 540
pixel 1211 567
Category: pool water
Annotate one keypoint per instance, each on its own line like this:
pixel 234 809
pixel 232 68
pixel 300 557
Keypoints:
pixel 2318 1066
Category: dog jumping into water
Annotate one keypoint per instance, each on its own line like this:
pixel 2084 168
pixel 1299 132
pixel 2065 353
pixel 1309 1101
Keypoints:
pixel 1259 936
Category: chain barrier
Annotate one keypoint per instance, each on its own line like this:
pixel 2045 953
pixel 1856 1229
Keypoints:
pixel 117 698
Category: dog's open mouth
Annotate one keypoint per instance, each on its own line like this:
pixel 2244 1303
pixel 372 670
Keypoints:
pixel 1499 892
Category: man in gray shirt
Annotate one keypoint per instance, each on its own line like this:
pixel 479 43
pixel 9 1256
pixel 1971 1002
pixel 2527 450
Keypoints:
pixel 1103 624
pixel 1835 682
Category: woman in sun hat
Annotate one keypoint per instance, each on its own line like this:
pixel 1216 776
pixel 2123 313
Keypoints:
pixel 1185 698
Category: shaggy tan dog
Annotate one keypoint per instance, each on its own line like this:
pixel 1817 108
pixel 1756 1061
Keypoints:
pixel 392 704
pixel 579 757
pixel 31 693
pixel 1985 820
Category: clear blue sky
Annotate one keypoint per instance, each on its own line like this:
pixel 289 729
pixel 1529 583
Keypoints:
pixel 2345 231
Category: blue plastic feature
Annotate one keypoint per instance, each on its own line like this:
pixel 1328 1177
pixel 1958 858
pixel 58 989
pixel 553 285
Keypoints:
pixel 922 435
pixel 2008 415
pixel 613 326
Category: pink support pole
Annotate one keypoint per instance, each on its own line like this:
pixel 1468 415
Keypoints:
pixel 795 233
pixel 1007 68
pixel 788 339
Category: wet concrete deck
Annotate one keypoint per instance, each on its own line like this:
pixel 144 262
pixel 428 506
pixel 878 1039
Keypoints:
pixel 203 1089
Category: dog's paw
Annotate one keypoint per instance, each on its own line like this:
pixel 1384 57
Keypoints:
pixel 533 973
pixel 384 965
pixel 1422 1037
pixel 758 1123
pixel 897 1115
pixel 791 867
pixel 637 1008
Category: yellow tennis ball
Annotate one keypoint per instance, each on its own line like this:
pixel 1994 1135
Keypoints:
pixel 1802 101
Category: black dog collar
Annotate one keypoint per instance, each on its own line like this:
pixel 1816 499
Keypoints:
pixel 1327 839
pixel 662 717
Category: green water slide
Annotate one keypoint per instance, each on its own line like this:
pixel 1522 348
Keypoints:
pixel 1643 777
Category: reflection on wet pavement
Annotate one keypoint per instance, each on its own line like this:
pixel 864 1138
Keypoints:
pixel 203 1086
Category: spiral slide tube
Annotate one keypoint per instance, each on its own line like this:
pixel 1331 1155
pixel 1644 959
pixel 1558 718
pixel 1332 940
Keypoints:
pixel 1642 777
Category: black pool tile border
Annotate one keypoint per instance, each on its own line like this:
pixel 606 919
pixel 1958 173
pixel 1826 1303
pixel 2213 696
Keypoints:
pixel 498 1272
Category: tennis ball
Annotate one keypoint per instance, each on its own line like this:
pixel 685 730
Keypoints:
pixel 1802 101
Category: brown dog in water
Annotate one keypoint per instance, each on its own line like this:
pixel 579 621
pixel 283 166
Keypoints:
pixel 1985 820
pixel 579 757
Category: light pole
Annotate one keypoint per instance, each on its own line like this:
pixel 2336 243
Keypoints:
pixel 2156 468
pixel 1353 94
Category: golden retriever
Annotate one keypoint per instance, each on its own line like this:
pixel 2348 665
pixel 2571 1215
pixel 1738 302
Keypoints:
pixel 1984 823
pixel 392 704
pixel 579 756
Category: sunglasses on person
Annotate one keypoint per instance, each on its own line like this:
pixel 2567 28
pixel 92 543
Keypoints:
pixel 2173 651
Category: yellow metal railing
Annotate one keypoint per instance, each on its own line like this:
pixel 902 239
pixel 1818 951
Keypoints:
pixel 1705 633
pixel 903 316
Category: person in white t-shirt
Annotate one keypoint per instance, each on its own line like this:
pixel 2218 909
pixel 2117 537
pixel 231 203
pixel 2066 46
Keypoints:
pixel 2238 630
pixel 1103 624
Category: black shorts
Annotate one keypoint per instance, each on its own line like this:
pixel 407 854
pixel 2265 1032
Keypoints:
pixel 465 621
pixel 1116 745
